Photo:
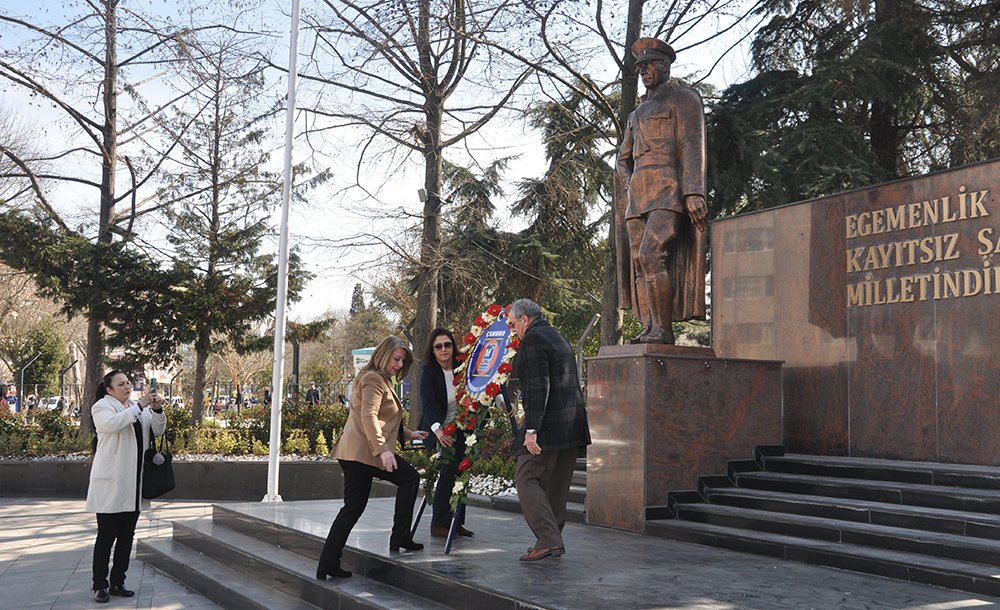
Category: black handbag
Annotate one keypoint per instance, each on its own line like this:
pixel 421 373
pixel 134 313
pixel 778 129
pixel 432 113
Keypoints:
pixel 157 469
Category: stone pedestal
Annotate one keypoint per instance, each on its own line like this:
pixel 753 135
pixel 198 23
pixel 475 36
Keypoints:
pixel 661 416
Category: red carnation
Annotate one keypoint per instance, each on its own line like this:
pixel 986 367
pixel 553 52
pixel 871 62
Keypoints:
pixel 514 344
pixel 460 357
pixel 450 429
pixel 493 310
pixel 480 322
pixel 465 464
pixel 492 390
pixel 457 380
pixel 505 368
pixel 472 424
pixel 470 339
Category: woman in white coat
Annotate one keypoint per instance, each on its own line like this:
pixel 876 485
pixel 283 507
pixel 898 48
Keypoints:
pixel 123 433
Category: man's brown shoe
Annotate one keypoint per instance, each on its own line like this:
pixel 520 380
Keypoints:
pixel 439 532
pixel 537 554
pixel 464 532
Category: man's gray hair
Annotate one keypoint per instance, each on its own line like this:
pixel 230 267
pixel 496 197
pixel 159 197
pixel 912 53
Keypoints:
pixel 524 307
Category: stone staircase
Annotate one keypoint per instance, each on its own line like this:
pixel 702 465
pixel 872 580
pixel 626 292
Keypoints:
pixel 924 522
pixel 243 562
pixel 240 561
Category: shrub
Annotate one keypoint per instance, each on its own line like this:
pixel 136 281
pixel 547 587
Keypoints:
pixel 212 440
pixel 12 443
pixel 417 457
pixel 259 448
pixel 496 466
pixel 297 442
pixel 178 426
pixel 321 447
pixel 327 419
pixel 252 423
pixel 9 423
pixel 54 425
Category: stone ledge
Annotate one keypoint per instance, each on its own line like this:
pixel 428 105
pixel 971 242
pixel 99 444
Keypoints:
pixel 237 481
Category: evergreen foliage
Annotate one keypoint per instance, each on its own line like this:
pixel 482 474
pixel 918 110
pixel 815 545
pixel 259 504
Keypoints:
pixel 853 94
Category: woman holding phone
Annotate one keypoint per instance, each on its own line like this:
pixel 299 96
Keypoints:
pixel 123 432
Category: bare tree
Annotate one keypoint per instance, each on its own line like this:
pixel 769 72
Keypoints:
pixel 414 76
pixel 92 69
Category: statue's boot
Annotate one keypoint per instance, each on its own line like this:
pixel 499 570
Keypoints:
pixel 660 300
pixel 640 338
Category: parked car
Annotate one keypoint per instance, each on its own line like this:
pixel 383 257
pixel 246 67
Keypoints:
pixel 52 403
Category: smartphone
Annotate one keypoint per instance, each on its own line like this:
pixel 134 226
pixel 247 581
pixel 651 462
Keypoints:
pixel 152 385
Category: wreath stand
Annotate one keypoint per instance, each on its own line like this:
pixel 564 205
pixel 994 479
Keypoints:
pixel 455 520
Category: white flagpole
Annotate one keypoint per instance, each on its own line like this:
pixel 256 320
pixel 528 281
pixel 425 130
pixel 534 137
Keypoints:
pixel 279 313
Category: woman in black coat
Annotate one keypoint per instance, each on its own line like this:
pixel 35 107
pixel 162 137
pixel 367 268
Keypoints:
pixel 437 399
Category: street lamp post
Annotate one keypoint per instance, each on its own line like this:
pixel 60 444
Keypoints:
pixel 20 390
pixel 62 379
pixel 170 384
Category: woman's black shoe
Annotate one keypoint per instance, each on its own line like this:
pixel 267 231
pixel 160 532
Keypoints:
pixel 101 596
pixel 120 591
pixel 334 573
pixel 408 545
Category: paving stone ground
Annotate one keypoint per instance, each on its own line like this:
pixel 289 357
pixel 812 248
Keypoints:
pixel 46 550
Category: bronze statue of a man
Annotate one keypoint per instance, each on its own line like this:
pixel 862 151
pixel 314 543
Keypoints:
pixel 662 165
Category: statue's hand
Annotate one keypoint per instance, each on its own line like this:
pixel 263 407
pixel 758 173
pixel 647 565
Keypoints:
pixel 697 210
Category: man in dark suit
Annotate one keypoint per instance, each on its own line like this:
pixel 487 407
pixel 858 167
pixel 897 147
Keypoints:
pixel 555 429
pixel 312 394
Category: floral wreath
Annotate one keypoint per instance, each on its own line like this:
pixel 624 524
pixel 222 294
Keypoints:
pixel 473 409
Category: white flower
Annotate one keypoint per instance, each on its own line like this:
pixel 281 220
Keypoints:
pixel 457 487
pixel 436 456
pixel 501 379
pixel 470 440
pixel 477 330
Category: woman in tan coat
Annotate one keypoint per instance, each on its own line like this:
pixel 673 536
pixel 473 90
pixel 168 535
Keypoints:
pixel 123 431
pixel 366 451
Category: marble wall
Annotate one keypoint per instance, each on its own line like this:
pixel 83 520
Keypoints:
pixel 884 304
pixel 661 416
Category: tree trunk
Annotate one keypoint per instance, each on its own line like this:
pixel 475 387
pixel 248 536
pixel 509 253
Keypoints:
pixel 95 337
pixel 611 313
pixel 92 374
pixel 883 131
pixel 427 295
pixel 200 366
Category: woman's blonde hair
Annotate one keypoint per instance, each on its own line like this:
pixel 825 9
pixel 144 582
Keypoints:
pixel 383 353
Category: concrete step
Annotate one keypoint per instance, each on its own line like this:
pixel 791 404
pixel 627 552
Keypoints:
pixel 292 573
pixel 219 583
pixel 913 567
pixel 431 587
pixel 891 492
pixel 900 471
pixel 951 546
pixel 963 523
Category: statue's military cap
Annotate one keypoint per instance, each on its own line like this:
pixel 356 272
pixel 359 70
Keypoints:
pixel 648 49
